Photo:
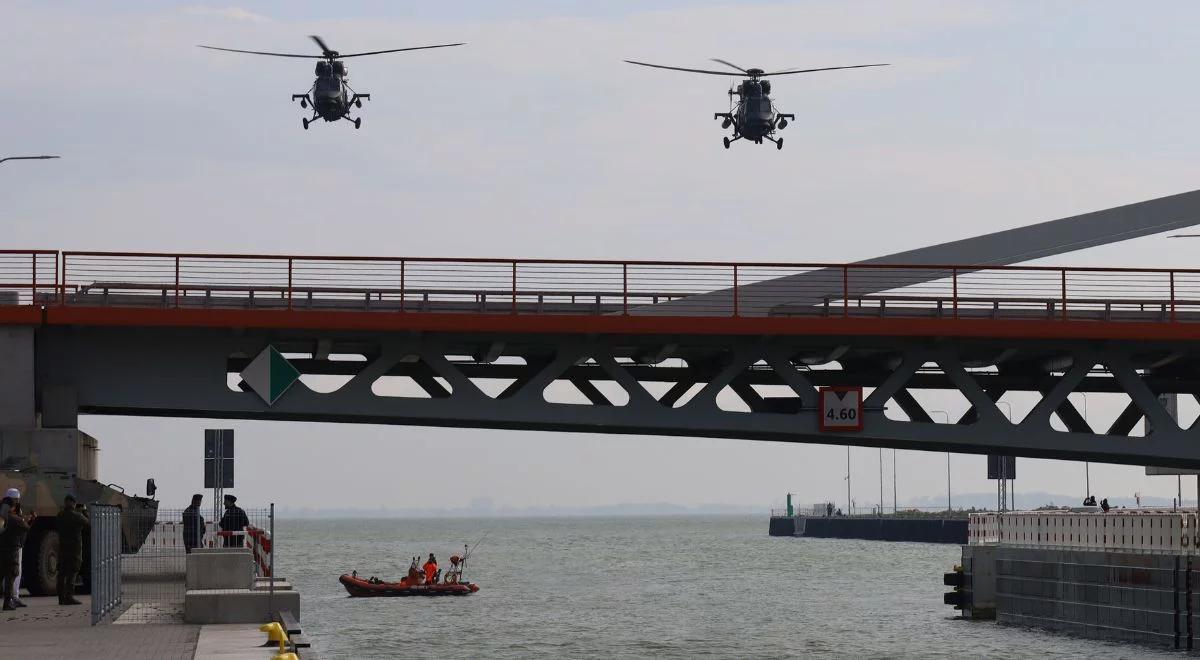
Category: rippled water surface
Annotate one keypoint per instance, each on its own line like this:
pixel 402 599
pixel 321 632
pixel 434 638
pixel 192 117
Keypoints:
pixel 671 587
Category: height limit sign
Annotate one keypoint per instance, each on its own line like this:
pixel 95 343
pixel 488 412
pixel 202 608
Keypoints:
pixel 841 409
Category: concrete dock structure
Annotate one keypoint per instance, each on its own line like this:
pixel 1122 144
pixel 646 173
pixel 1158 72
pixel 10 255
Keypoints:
pixel 1129 575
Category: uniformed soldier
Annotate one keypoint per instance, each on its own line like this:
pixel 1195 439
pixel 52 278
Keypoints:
pixel 16 527
pixel 234 520
pixel 71 522
pixel 193 525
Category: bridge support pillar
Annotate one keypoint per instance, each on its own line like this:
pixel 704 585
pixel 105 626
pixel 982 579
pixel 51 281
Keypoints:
pixel 16 378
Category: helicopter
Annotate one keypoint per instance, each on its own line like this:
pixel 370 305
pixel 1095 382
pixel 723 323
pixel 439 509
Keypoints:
pixel 754 117
pixel 330 96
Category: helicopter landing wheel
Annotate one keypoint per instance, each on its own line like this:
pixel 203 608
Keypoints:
pixel 783 124
pixel 726 142
pixel 357 103
pixel 305 124
pixel 303 103
pixel 357 123
pixel 779 143
pixel 726 124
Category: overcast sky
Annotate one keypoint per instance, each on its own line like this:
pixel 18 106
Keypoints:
pixel 535 140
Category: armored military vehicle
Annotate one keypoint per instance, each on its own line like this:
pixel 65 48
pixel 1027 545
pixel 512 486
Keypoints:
pixel 46 465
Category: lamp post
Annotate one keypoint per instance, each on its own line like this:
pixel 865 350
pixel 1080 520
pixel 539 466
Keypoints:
pixel 948 503
pixel 881 482
pixel 27 158
pixel 1087 466
pixel 1002 484
pixel 849 512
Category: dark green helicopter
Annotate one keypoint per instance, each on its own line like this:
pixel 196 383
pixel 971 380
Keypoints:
pixel 330 96
pixel 754 117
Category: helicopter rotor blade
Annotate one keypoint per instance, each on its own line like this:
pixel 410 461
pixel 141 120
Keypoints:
pixel 677 68
pixel 326 51
pixel 828 68
pixel 400 50
pixel 258 52
pixel 732 65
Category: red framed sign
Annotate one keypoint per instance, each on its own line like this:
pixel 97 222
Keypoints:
pixel 841 409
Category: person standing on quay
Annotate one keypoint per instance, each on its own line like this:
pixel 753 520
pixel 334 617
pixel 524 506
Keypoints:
pixel 234 520
pixel 193 525
pixel 71 522
pixel 11 496
pixel 16 527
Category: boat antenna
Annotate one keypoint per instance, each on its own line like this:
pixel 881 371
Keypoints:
pixel 471 548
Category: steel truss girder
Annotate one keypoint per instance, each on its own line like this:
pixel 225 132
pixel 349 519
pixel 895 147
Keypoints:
pixel 173 372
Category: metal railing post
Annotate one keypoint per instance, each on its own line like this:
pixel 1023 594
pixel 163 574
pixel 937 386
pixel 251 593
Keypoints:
pixel 402 285
pixel 625 289
pixel 57 275
pixel 62 281
pixel 514 287
pixel 289 284
pixel 1172 296
pixel 1064 294
pixel 33 291
pixel 271 588
pixel 954 277
pixel 735 291
pixel 177 281
pixel 845 291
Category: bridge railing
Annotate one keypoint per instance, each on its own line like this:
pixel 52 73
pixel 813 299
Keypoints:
pixel 550 286
pixel 27 275
pixel 1152 531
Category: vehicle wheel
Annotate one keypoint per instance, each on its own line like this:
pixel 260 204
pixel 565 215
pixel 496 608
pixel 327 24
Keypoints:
pixel 303 103
pixel 726 124
pixel 779 144
pixel 358 123
pixel 358 103
pixel 40 570
pixel 305 124
pixel 783 124
pixel 726 143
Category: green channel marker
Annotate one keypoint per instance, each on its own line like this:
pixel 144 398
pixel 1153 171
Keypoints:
pixel 270 375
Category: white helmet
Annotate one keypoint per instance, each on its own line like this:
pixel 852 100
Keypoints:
pixel 13 493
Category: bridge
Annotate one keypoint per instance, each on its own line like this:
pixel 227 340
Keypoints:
pixel 731 350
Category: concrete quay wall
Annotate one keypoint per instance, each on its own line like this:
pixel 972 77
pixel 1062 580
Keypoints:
pixel 1144 598
pixel 921 530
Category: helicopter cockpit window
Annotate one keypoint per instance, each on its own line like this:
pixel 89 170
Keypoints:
pixel 328 87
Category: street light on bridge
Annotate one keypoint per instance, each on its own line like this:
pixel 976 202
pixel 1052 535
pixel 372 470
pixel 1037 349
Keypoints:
pixel 27 158
pixel 948 504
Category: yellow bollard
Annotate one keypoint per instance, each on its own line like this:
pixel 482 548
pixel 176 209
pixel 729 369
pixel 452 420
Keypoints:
pixel 275 634
pixel 285 656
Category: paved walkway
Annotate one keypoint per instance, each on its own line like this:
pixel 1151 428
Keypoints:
pixel 46 629
pixel 233 641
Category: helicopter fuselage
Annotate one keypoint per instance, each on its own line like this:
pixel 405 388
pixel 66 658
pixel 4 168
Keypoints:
pixel 754 117
pixel 329 97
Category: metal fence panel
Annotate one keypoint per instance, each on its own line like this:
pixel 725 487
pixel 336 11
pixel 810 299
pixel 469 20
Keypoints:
pixel 154 577
pixel 106 559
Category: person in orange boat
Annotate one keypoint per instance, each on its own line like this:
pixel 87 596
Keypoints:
pixel 431 570
pixel 414 574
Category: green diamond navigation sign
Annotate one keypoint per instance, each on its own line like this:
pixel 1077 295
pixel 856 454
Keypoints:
pixel 270 375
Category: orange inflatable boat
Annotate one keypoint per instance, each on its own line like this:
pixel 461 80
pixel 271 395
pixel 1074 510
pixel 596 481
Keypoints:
pixel 373 587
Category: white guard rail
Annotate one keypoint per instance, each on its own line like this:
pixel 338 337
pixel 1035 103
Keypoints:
pixel 1150 531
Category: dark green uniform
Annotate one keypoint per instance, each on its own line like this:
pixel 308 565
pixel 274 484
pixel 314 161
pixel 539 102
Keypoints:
pixel 70 526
